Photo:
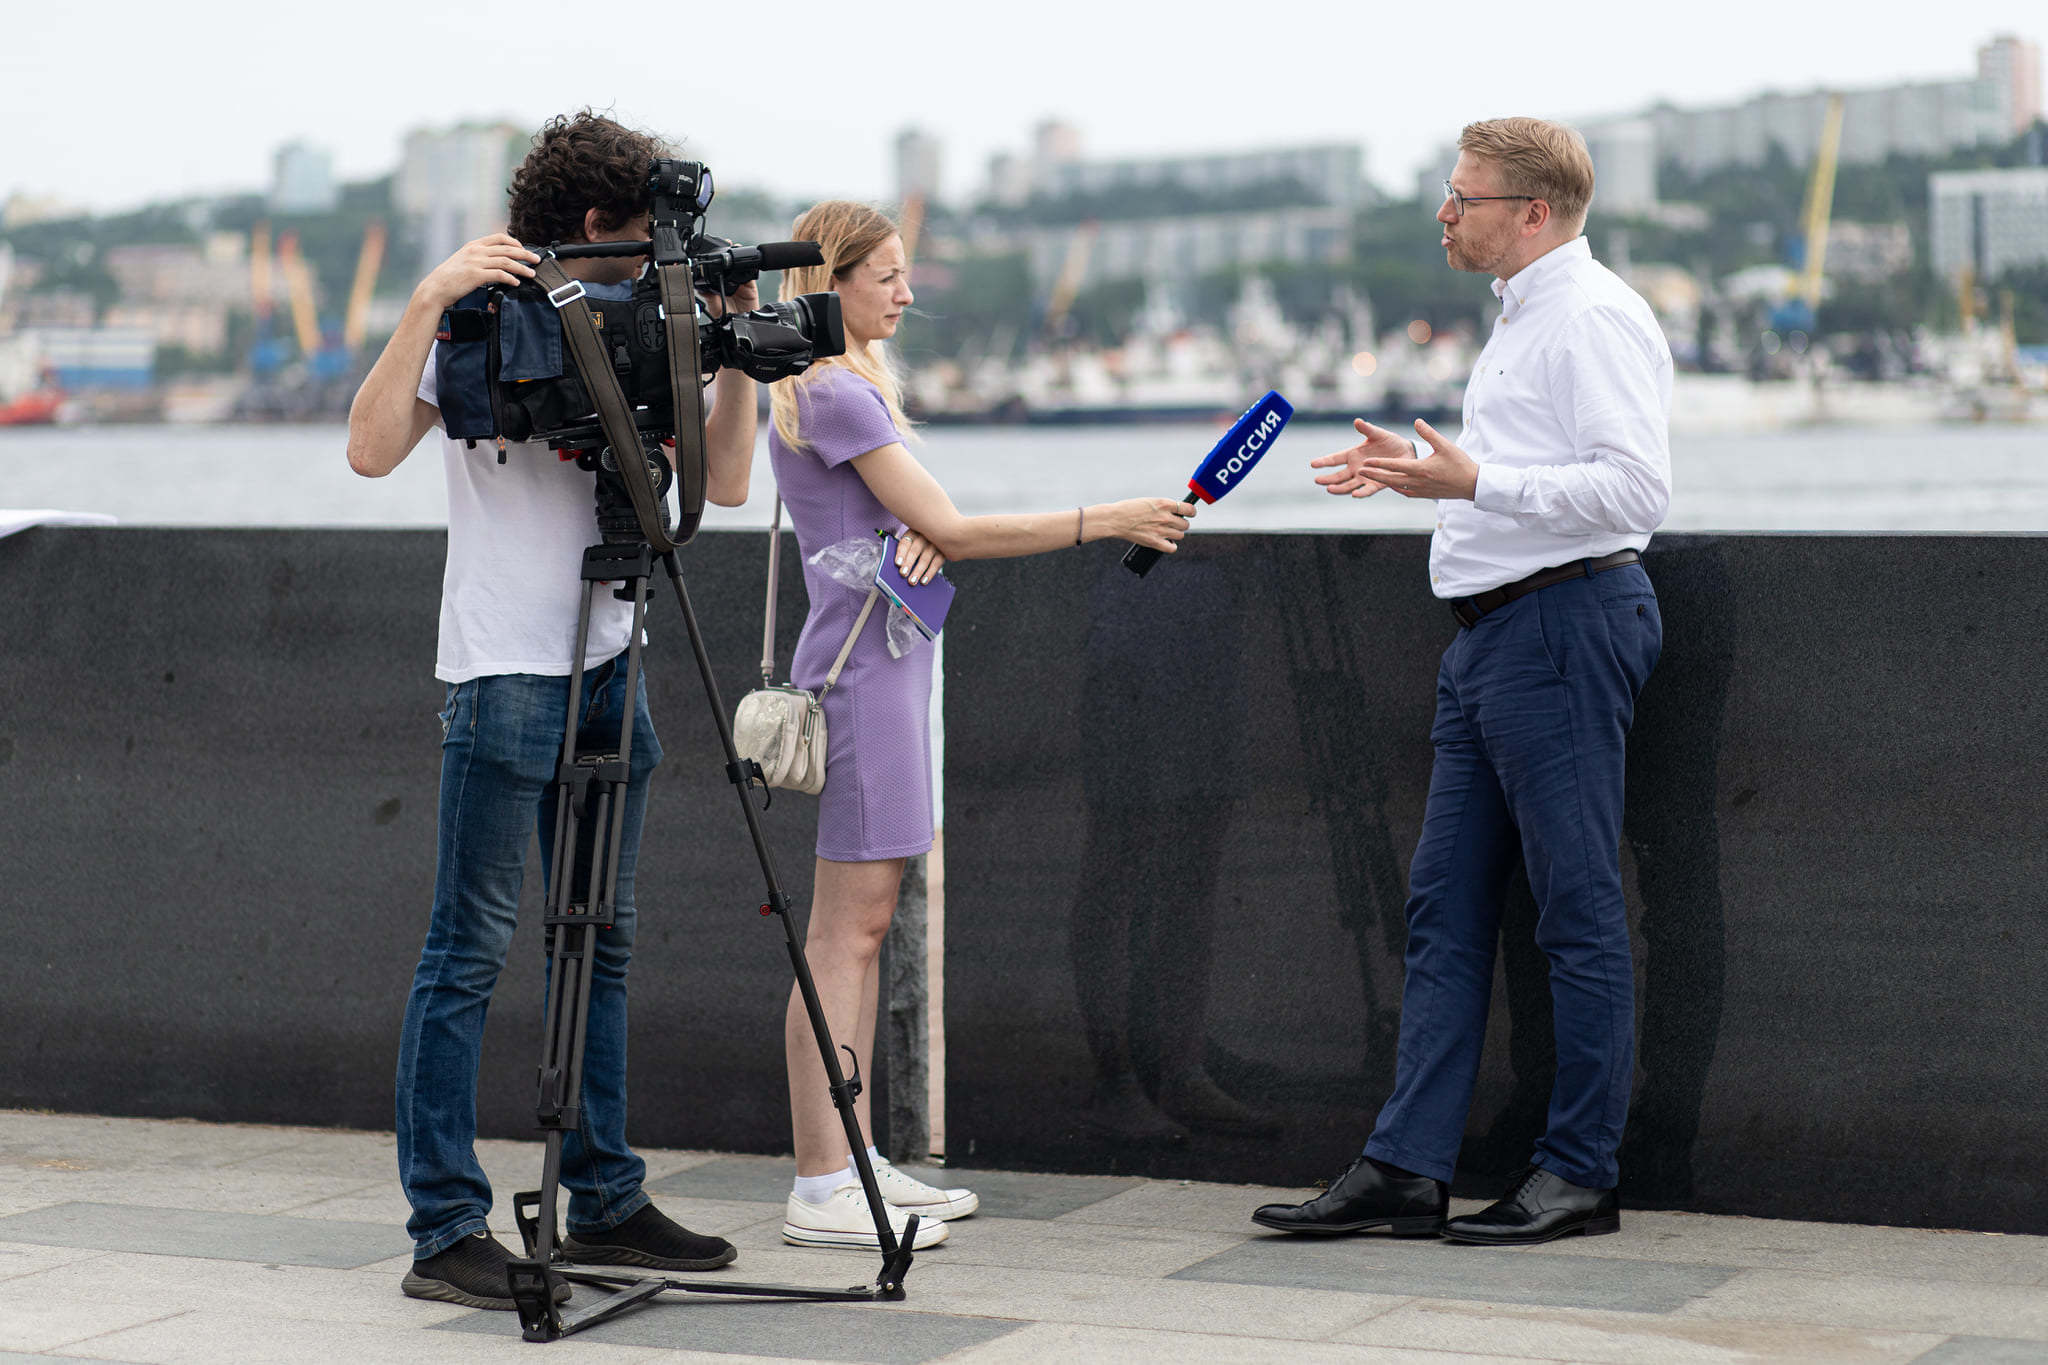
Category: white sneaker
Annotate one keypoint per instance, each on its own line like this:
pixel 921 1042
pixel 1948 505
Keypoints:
pixel 843 1220
pixel 912 1195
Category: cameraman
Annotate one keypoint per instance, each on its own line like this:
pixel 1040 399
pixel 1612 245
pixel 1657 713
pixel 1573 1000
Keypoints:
pixel 509 603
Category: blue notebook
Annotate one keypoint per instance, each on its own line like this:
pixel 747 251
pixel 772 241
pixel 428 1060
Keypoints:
pixel 924 603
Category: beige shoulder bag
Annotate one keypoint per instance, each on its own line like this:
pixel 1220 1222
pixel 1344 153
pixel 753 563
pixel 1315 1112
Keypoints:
pixel 781 726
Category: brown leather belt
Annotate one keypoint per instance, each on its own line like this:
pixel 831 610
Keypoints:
pixel 1468 610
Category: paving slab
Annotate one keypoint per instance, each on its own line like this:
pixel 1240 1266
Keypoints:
pixel 172 1186
pixel 1008 1194
pixel 1880 1301
pixel 1017 1194
pixel 1625 1338
pixel 199 1232
pixel 207 1338
pixel 298 1293
pixel 1120 1301
pixel 1126 1346
pixel 25 1258
pixel 1185 1204
pixel 742 1179
pixel 1064 1245
pixel 783 1331
pixel 1417 1268
pixel 94 1141
pixel 55 1324
pixel 1985 1351
pixel 1783 1244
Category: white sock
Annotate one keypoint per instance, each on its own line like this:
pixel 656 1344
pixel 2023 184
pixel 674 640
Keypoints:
pixel 873 1155
pixel 816 1189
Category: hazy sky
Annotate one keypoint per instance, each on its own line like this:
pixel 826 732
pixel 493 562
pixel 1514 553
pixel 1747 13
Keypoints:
pixel 114 104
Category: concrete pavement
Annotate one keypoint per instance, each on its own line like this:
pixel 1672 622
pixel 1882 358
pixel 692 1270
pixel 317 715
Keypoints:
pixel 165 1241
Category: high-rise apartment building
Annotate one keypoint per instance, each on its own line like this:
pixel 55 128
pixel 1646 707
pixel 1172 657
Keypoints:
pixel 1921 118
pixel 1988 221
pixel 918 165
pixel 2011 67
pixel 454 182
pixel 1334 173
pixel 1624 165
pixel 302 179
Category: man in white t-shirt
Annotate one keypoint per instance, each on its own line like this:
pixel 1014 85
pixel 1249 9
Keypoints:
pixel 509 603
pixel 1561 472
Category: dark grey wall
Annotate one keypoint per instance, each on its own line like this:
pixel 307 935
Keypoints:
pixel 219 758
pixel 1179 817
pixel 1180 812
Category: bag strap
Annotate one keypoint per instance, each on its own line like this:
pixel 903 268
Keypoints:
pixel 768 612
pixel 867 609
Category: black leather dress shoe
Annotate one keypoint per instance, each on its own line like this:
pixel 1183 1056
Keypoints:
pixel 1366 1196
pixel 1539 1206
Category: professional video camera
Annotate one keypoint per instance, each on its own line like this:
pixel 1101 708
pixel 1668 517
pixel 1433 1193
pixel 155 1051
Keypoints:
pixel 636 365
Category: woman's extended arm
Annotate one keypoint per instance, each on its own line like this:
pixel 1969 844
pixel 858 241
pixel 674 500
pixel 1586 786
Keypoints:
pixel 909 491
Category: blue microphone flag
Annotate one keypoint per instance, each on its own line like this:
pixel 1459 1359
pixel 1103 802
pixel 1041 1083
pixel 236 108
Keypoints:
pixel 1249 437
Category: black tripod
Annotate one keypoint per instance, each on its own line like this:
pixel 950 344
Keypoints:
pixel 581 901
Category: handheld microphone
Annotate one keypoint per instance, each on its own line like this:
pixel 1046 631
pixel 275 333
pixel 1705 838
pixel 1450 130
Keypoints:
pixel 1249 437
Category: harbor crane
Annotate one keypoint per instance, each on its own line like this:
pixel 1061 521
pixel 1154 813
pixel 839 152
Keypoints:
pixel 1797 312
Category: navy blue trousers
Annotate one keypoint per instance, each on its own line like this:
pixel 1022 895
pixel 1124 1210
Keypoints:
pixel 1533 707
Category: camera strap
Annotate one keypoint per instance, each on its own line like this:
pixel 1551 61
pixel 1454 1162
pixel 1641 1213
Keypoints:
pixel 579 328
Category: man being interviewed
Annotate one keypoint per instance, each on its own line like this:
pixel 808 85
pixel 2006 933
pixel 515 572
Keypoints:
pixel 1560 474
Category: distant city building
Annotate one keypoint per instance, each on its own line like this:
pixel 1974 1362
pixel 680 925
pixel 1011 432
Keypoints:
pixel 1333 173
pixel 1009 180
pixel 23 209
pixel 1624 166
pixel 1053 144
pixel 1429 181
pixel 1989 221
pixel 1924 118
pixel 917 165
pixel 453 183
pixel 1868 251
pixel 2011 67
pixel 302 179
pixel 194 327
pixel 1182 248
pixel 214 273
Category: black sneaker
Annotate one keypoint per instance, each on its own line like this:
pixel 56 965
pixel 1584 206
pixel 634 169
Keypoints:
pixel 471 1273
pixel 651 1239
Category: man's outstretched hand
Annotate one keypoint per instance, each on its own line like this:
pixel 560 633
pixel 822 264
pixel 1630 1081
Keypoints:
pixel 1384 460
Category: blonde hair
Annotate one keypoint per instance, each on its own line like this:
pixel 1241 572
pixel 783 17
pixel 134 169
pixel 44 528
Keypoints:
pixel 1541 159
pixel 848 233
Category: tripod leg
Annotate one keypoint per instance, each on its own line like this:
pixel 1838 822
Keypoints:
pixel 843 1089
pixel 581 903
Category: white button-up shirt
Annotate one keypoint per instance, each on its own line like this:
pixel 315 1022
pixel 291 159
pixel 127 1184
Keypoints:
pixel 1568 415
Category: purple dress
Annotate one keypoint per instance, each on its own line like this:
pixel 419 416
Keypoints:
pixel 877 801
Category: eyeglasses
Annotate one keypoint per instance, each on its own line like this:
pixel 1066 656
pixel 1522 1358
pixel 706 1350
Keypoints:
pixel 1463 200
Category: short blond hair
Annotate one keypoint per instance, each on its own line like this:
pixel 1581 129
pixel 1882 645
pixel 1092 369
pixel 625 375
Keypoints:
pixel 1536 157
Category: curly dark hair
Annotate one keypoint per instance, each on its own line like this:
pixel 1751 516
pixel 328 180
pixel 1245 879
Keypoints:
pixel 580 161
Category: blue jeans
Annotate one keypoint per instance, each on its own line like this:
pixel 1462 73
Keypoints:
pixel 501 744
pixel 1534 703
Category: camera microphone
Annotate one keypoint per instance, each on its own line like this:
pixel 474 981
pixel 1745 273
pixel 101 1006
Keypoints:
pixel 1249 437
pixel 725 266
pixel 789 255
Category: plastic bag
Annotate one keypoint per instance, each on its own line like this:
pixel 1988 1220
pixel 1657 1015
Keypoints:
pixel 853 563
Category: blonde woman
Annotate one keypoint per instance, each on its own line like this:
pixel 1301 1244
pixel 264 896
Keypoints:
pixel 838 446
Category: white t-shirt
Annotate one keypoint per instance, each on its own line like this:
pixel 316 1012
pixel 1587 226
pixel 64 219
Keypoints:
pixel 513 585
